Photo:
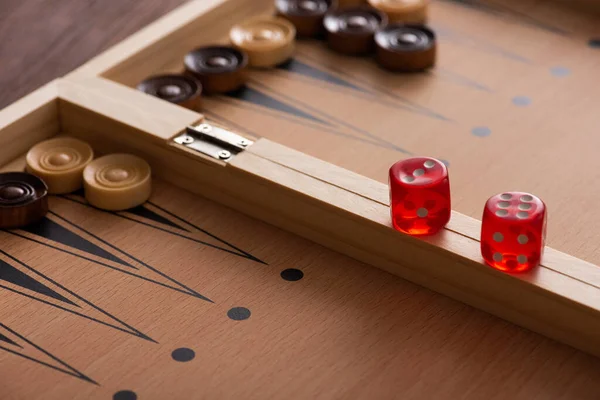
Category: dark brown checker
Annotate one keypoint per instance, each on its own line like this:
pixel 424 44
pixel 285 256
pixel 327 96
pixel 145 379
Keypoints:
pixel 351 30
pixel 220 69
pixel 306 15
pixel 406 48
pixel 23 199
pixel 183 90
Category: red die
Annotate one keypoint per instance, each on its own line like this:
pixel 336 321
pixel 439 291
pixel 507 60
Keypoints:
pixel 419 195
pixel 513 231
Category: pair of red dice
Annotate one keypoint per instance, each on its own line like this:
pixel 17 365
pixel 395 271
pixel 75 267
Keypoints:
pixel 513 226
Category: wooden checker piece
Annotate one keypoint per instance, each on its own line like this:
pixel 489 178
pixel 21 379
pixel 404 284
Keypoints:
pixel 351 30
pixel 182 90
pixel 117 182
pixel 305 15
pixel 60 163
pixel 268 41
pixel 220 69
pixel 404 11
pixel 406 48
pixel 23 199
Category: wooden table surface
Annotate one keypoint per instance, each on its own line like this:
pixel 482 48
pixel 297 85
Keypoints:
pixel 41 40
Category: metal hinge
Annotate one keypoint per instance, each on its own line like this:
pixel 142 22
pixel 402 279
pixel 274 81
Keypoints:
pixel 213 141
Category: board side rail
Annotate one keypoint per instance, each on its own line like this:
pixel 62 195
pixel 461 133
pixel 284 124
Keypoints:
pixel 338 209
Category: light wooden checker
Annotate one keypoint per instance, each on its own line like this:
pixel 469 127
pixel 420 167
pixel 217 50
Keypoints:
pixel 355 313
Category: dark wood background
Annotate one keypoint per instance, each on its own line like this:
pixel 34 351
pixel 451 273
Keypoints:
pixel 41 40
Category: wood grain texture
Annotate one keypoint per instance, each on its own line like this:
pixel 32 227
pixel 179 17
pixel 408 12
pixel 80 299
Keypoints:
pixel 339 209
pixel 346 330
pixel 474 40
pixel 46 39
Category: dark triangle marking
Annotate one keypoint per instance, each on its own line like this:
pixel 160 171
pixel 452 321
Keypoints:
pixel 374 96
pixel 83 203
pixel 67 368
pixel 130 330
pixel 295 121
pixel 461 38
pixel 360 131
pixel 497 9
pixel 207 233
pixel 228 122
pixel 254 96
pixel 100 263
pixel 301 68
pixel 10 274
pixel 463 80
pixel 415 107
pixel 7 340
pixel 408 104
pixel 189 291
pixel 49 229
pixel 143 212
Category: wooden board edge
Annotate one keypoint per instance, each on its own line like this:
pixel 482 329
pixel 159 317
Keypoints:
pixel 152 117
pixel 379 193
pixel 29 120
pixel 549 302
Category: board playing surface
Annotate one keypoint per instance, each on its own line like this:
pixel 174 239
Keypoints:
pixel 507 107
pixel 183 298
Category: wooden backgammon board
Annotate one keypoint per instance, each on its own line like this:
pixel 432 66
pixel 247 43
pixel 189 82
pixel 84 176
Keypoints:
pixel 264 264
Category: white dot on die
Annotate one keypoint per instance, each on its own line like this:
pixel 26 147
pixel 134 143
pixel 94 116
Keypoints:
pixel 506 196
pixel 523 239
pixel 524 206
pixel 522 214
pixel 502 213
pixel 522 259
pixel 407 179
pixel 497 257
pixel 526 198
pixel 504 204
pixel 422 212
pixel 498 237
pixel 419 172
pixel 429 164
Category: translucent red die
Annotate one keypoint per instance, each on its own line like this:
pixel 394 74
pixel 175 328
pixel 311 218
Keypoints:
pixel 513 231
pixel 419 195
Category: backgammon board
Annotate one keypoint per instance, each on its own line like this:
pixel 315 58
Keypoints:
pixel 226 285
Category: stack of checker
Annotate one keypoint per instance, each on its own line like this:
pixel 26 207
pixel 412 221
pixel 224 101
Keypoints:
pixel 391 30
pixel 65 165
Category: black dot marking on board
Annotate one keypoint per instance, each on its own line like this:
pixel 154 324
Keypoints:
pixel 292 274
pixel 183 354
pixel 238 313
pixel 595 43
pixel 125 395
